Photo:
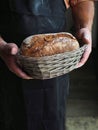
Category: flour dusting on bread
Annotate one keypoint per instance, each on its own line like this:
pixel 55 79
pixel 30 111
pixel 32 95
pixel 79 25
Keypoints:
pixel 48 44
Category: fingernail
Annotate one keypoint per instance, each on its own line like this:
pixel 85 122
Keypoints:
pixel 13 51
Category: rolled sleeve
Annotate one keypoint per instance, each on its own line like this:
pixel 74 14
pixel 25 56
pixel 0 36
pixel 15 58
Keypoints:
pixel 71 3
pixel 75 2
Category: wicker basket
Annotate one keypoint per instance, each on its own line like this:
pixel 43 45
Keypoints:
pixel 50 66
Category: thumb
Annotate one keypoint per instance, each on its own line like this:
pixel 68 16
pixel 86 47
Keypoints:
pixel 12 48
pixel 86 37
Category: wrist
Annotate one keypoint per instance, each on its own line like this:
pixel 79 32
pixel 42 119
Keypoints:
pixel 84 34
pixel 84 27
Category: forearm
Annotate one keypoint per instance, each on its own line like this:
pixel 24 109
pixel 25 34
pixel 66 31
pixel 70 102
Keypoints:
pixel 83 14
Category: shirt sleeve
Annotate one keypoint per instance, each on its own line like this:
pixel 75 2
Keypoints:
pixel 67 3
pixel 72 3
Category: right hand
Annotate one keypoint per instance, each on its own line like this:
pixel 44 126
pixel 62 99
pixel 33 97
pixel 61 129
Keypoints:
pixel 7 53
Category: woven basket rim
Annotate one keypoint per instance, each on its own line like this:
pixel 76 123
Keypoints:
pixel 47 67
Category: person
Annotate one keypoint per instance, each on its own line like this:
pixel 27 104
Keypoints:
pixel 32 104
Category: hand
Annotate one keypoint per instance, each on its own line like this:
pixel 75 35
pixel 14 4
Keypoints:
pixel 7 53
pixel 84 35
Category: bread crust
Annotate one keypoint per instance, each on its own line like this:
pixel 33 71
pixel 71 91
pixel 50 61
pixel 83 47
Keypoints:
pixel 48 44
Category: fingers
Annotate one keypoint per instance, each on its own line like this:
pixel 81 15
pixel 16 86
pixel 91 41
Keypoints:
pixel 9 52
pixel 84 35
pixel 11 48
pixel 84 57
pixel 16 70
pixel 8 55
pixel 20 73
pixel 14 50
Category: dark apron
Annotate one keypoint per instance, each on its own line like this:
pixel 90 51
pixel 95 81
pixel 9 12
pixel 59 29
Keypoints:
pixel 31 104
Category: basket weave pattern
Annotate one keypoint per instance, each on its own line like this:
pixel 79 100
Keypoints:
pixel 50 66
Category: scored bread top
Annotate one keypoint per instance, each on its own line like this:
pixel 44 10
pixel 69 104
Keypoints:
pixel 48 44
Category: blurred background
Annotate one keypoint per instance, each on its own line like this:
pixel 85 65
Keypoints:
pixel 82 105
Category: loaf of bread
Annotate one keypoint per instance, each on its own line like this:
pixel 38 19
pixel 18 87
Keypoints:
pixel 48 44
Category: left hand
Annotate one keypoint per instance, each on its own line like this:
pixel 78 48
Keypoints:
pixel 84 35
